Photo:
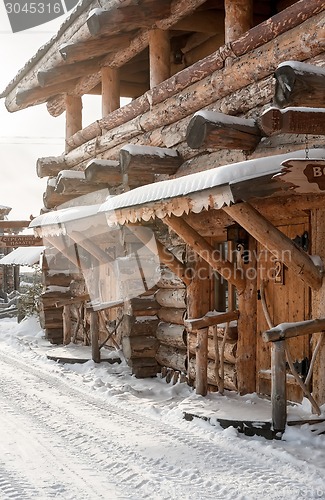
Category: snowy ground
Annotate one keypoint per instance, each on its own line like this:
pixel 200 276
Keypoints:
pixel 89 431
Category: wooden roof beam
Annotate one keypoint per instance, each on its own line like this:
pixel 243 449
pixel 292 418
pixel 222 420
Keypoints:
pixel 210 129
pixel 81 51
pixel 139 160
pixel 299 84
pixel 76 185
pixel 276 242
pixel 66 72
pixel 104 171
pixel 27 96
pixel 206 251
pixel 143 14
pixel 293 121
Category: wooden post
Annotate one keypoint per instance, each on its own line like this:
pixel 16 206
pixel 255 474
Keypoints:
pixel 201 350
pixel 110 90
pixel 66 324
pixel 73 115
pixel 318 306
pixel 94 334
pixel 279 386
pixel 247 326
pixel 159 56
pixel 239 18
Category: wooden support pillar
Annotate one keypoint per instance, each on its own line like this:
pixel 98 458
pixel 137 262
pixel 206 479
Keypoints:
pixel 279 386
pixel 73 124
pixel 276 242
pixel 238 18
pixel 94 335
pixel 110 90
pixel 159 56
pixel 247 325
pixel 201 350
pixel 67 326
pixel 318 307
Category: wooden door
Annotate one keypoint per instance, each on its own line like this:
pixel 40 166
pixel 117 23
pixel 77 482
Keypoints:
pixel 287 300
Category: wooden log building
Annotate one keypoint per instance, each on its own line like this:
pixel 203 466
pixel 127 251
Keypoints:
pixel 220 154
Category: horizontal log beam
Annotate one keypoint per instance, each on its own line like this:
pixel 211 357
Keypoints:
pixel 144 15
pixel 293 121
pixel 210 319
pixel 81 51
pixel 138 160
pixel 205 250
pixel 30 96
pixel 299 84
pixel 50 166
pixel 208 21
pixel 66 72
pixel 289 330
pixel 276 242
pixel 104 171
pixel 76 185
pixel 216 130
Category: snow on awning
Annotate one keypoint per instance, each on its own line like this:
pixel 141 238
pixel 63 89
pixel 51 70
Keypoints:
pixel 213 188
pixel 23 256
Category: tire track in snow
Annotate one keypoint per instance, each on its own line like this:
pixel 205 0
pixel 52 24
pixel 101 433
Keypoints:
pixel 132 464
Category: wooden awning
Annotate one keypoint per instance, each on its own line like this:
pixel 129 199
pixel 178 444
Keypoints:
pixel 214 188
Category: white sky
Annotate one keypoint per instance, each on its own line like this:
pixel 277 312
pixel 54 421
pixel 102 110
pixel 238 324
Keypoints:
pixel 32 133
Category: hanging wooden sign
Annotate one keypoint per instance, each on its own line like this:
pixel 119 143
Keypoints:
pixel 16 240
pixel 303 175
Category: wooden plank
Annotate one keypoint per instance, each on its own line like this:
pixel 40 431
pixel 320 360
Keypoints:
pixel 293 121
pixel 276 242
pixel 210 129
pixel 299 84
pixel 304 175
pixel 67 324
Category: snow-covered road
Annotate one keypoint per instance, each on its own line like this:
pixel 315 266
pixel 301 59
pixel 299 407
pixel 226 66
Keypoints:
pixel 68 433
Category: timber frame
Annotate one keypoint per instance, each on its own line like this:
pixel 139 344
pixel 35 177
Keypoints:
pixel 219 155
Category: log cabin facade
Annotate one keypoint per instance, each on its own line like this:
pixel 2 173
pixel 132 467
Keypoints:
pixel 220 155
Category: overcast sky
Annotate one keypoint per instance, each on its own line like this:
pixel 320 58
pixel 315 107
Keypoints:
pixel 28 134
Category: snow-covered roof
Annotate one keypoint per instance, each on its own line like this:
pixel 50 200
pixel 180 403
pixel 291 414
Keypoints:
pixel 212 188
pixel 23 256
